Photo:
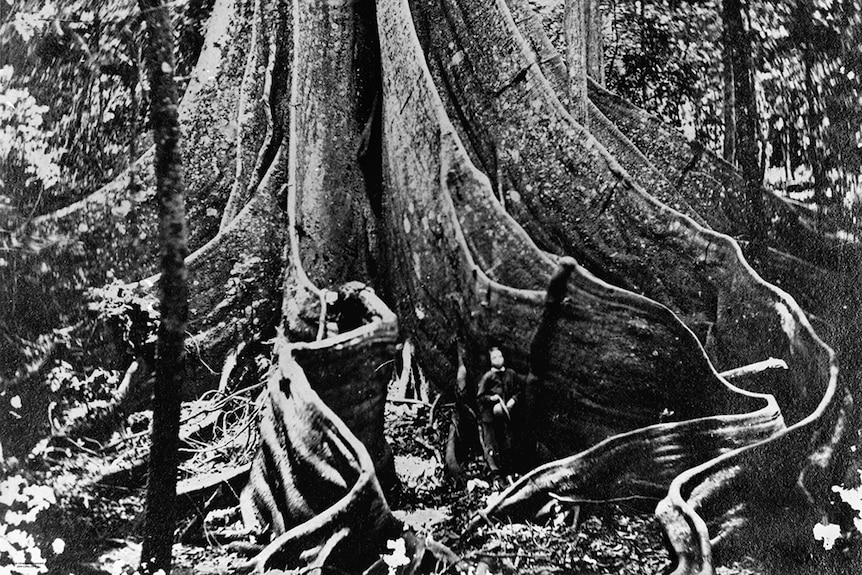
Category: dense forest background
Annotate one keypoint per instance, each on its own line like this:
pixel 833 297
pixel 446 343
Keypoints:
pixel 76 69
pixel 76 103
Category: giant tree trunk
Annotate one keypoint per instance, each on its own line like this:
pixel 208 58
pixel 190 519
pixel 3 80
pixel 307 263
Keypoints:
pixel 303 149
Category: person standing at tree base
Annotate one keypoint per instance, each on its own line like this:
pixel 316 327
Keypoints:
pixel 499 397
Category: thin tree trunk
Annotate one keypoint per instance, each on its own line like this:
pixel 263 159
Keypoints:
pixel 575 24
pixel 729 108
pixel 595 43
pixel 161 488
pixel 814 117
pixel 746 118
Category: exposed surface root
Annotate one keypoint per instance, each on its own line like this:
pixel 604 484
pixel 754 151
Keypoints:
pixel 804 395
pixel 343 520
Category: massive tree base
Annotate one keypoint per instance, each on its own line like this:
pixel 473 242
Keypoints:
pixel 313 484
pixel 425 149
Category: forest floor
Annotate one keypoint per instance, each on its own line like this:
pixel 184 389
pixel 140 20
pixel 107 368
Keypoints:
pixel 87 527
pixel 611 539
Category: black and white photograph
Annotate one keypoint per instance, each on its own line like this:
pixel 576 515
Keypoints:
pixel 431 287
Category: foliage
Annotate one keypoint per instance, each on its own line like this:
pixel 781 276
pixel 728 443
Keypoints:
pixel 660 61
pixel 132 313
pixel 810 75
pixel 418 474
pixel 830 533
pixel 82 395
pixel 613 540
pixel 396 556
pixel 666 56
pixel 22 137
pixel 63 379
pixel 73 107
pixel 20 504
pixel 80 62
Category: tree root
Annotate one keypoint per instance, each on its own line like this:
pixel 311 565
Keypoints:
pixel 343 521
pixel 443 292
pixel 344 370
pixel 746 308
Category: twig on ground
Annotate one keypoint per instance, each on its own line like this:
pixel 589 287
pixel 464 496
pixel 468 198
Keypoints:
pixel 581 501
pixel 517 555
pixel 409 401
pixel 425 444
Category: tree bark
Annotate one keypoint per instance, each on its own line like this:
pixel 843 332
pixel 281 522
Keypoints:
pixel 312 482
pixel 814 116
pixel 595 42
pixel 729 102
pixel 576 25
pixel 747 149
pixel 170 361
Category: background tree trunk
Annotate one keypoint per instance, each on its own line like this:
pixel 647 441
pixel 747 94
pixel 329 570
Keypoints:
pixel 170 361
pixel 595 42
pixel 814 116
pixel 747 151
pixel 575 24
pixel 729 102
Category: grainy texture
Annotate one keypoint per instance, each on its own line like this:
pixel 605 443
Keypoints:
pixel 575 26
pixel 595 42
pixel 313 482
pixel 747 152
pixel 613 468
pixel 173 248
pixel 332 88
pixel 578 200
pixel 482 187
pixel 445 294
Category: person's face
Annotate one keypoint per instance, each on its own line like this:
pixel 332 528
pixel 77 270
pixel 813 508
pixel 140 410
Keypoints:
pixel 496 358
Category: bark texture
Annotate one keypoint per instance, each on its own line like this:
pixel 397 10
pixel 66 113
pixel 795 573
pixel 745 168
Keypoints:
pixel 170 359
pixel 728 101
pixel 745 105
pixel 313 483
pixel 740 294
pixel 576 23
pixel 595 43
